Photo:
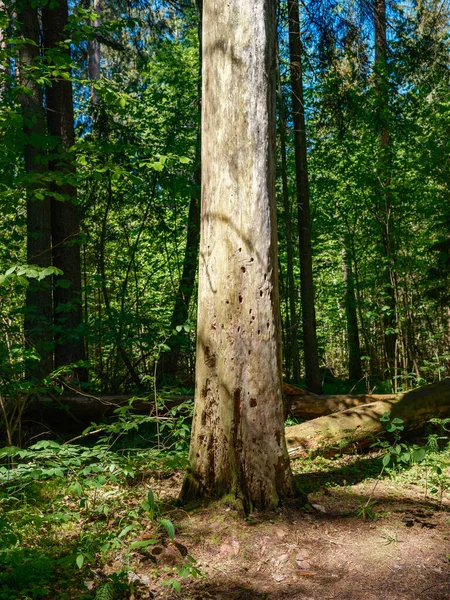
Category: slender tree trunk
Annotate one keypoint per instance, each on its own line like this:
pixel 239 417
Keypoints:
pixel 67 299
pixel 38 319
pixel 94 56
pixel 4 61
pixel 354 351
pixel 286 325
pixel 384 208
pixel 291 288
pixel 237 444
pixel 313 379
pixel 187 282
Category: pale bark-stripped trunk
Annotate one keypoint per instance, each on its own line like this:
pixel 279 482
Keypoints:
pixel 38 317
pixel 291 289
pixel 67 301
pixel 313 379
pixel 384 207
pixel 237 444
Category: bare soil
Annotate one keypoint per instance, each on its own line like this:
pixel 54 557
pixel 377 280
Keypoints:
pixel 402 552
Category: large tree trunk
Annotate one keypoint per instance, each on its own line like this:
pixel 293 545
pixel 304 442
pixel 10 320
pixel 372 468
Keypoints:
pixel 38 319
pixel 237 444
pixel 359 426
pixel 313 379
pixel 67 299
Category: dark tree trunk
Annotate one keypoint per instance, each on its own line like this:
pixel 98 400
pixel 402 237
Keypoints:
pixel 384 205
pixel 94 57
pixel 67 298
pixel 354 351
pixel 38 319
pixel 313 379
pixel 186 285
pixel 291 288
pixel 5 64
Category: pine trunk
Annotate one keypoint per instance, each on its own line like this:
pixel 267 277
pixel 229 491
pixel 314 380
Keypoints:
pixel 94 56
pixel 67 299
pixel 313 379
pixel 354 351
pixel 38 319
pixel 237 444
pixel 186 285
pixel 384 206
pixel 291 288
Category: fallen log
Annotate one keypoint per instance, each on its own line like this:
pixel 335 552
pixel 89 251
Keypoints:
pixel 83 408
pixel 312 406
pixel 359 426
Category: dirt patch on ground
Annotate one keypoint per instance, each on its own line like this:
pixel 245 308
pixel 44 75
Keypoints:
pixel 329 552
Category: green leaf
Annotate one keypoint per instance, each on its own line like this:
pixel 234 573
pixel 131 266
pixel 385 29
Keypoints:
pixel 142 543
pixel 386 460
pixel 405 457
pixel 125 530
pixel 168 526
pixel 80 560
pixel 419 454
pixel 151 499
pixel 77 488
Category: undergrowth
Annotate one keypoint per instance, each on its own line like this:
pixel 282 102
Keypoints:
pixel 77 520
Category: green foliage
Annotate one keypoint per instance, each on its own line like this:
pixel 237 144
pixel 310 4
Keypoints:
pixel 76 505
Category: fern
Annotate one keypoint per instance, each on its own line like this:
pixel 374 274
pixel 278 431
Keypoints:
pixel 105 591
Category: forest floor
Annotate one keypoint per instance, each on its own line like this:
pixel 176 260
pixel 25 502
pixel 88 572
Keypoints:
pixel 77 524
pixel 398 548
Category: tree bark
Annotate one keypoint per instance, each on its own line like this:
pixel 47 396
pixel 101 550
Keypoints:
pixel 358 427
pixel 38 319
pixel 237 444
pixel 187 281
pixel 67 300
pixel 5 61
pixel 94 57
pixel 384 206
pixel 291 288
pixel 313 379
pixel 354 351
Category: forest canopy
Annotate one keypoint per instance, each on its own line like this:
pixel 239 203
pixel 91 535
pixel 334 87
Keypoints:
pixel 100 216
